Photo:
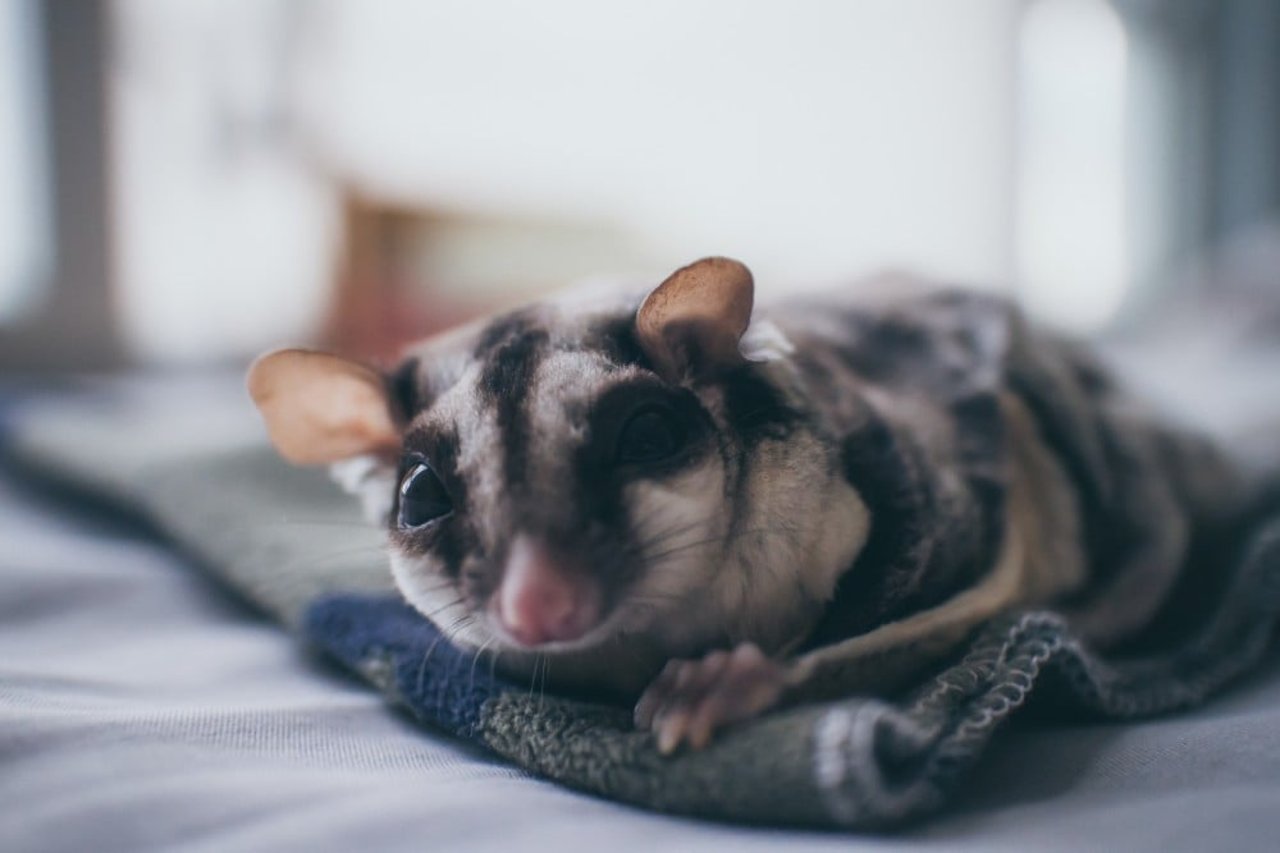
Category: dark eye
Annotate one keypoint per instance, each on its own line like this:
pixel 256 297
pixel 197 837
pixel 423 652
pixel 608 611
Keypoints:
pixel 422 497
pixel 651 435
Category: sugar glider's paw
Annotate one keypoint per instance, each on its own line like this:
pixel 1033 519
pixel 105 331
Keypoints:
pixel 691 699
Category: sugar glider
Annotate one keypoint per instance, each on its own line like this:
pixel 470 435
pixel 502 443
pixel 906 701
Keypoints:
pixel 670 499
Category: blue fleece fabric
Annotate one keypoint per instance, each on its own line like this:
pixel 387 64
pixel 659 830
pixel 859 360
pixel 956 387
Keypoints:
pixel 443 685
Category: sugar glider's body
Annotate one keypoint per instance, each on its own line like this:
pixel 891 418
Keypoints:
pixel 638 494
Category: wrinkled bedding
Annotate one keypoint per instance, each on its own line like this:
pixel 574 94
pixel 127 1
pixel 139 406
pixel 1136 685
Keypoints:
pixel 142 708
pixel 140 705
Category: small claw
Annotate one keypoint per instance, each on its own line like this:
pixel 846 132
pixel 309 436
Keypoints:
pixel 685 673
pixel 711 668
pixel 642 716
pixel 709 714
pixel 671 730
pixel 699 734
pixel 691 700
pixel 655 697
pixel 748 654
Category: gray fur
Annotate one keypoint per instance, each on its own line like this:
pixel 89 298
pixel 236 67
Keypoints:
pixel 740 565
pixel 774 526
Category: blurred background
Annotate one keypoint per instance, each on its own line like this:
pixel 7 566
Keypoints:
pixel 189 182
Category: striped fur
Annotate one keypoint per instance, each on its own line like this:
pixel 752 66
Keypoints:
pixel 890 472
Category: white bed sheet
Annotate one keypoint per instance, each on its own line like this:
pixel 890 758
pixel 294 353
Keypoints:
pixel 142 709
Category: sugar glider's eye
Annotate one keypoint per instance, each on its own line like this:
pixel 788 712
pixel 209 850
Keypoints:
pixel 423 498
pixel 651 435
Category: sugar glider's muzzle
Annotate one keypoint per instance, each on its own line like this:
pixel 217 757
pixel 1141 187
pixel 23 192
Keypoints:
pixel 544 596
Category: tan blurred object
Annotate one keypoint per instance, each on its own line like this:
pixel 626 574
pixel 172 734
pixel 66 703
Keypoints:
pixel 378 304
pixel 408 270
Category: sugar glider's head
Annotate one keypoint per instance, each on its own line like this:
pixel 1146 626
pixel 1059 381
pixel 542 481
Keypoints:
pixel 574 479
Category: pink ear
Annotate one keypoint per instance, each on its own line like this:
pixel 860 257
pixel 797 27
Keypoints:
pixel 692 322
pixel 320 408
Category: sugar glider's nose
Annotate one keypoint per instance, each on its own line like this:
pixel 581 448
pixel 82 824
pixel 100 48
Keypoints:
pixel 543 597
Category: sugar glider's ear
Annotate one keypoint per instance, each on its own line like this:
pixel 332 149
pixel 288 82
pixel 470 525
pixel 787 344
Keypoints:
pixel 690 325
pixel 320 408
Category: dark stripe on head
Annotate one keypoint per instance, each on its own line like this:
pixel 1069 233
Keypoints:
pixel 617 339
pixel 501 330
pixel 404 387
pixel 755 408
pixel 511 349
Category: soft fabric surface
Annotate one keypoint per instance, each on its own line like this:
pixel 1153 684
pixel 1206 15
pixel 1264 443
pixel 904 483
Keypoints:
pixel 287 541
pixel 141 709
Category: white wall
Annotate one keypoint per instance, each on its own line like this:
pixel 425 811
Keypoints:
pixel 815 139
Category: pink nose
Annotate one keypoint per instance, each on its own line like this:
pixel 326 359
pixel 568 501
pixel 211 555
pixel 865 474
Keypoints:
pixel 541 600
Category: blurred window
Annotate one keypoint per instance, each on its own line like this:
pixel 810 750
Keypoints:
pixel 818 140
pixel 224 224
pixel 1070 181
pixel 25 255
